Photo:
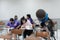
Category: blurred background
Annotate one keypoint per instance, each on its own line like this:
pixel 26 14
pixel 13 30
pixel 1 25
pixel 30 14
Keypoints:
pixel 9 8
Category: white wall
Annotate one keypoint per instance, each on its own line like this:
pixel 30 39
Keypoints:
pixel 9 8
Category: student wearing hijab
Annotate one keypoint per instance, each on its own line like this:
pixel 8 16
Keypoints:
pixel 44 19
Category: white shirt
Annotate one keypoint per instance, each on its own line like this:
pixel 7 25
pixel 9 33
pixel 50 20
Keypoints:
pixel 27 25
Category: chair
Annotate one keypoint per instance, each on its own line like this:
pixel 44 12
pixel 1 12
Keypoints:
pixel 42 34
pixel 17 31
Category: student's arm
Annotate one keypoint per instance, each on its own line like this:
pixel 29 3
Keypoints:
pixel 33 25
pixel 29 23
pixel 47 29
pixel 32 22
pixel 8 25
pixel 18 27
pixel 48 33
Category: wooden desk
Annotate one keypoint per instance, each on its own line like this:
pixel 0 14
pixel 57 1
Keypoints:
pixel 17 31
pixel 32 37
pixel 42 34
pixel 5 36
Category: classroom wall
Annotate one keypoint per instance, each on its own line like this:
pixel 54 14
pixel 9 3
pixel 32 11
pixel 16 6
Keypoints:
pixel 9 8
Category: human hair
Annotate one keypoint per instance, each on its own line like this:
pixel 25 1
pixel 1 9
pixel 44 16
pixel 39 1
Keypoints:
pixel 51 22
pixel 28 15
pixel 23 18
pixel 40 13
pixel 15 16
pixel 11 19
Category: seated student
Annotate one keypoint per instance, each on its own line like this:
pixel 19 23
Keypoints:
pixel 12 24
pixel 43 18
pixel 28 27
pixel 16 20
pixel 30 19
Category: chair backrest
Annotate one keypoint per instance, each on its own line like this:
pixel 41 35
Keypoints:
pixel 17 31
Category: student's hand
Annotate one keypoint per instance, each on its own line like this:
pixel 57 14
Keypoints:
pixel 18 27
pixel 22 26
pixel 55 22
pixel 46 23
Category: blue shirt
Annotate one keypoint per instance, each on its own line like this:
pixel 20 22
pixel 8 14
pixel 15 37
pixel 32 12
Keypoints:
pixel 17 22
pixel 44 19
pixel 31 20
pixel 14 25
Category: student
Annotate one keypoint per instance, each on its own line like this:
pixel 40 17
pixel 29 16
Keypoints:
pixel 12 24
pixel 16 20
pixel 28 27
pixel 42 15
pixel 15 17
pixel 43 18
pixel 30 19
